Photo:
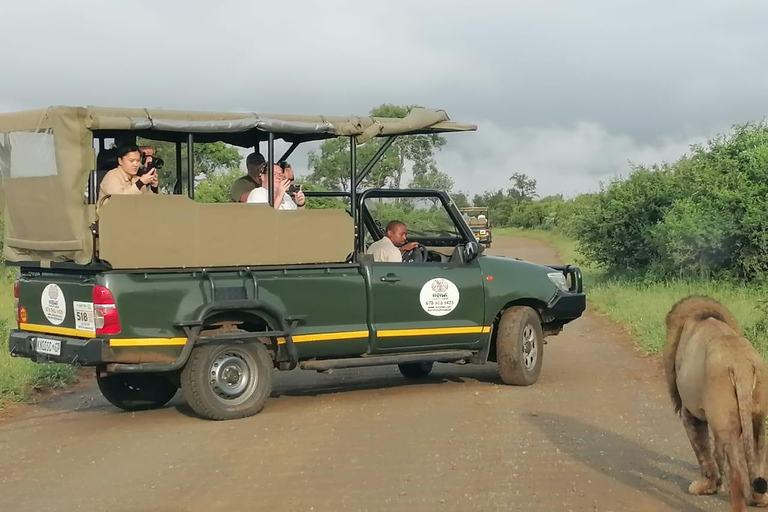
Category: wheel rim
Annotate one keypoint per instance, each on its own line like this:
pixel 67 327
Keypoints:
pixel 232 376
pixel 530 347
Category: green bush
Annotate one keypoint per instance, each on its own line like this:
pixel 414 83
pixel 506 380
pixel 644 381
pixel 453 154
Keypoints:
pixel 706 214
pixel 616 232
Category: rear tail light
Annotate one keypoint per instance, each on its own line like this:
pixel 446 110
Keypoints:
pixel 105 311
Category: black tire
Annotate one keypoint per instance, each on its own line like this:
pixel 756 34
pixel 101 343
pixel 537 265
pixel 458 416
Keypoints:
pixel 136 391
pixel 415 370
pixel 520 346
pixel 228 381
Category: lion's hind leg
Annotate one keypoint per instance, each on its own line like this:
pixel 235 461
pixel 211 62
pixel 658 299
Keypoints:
pixel 698 435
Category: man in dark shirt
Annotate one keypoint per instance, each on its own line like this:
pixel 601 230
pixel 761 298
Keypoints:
pixel 255 163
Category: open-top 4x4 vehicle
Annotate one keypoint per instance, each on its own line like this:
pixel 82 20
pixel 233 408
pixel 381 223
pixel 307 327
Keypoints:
pixel 161 292
pixel 478 219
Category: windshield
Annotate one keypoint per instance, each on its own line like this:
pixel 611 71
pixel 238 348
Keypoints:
pixel 427 219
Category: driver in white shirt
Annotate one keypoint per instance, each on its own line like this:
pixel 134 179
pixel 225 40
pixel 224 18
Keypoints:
pixel 392 246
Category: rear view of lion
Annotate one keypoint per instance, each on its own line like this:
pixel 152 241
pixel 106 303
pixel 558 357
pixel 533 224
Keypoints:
pixel 717 380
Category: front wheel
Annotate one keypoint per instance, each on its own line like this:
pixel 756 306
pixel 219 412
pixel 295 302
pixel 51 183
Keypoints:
pixel 415 370
pixel 228 381
pixel 520 346
pixel 136 391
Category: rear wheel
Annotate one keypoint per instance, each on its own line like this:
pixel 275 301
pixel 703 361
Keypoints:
pixel 520 346
pixel 415 370
pixel 228 381
pixel 136 391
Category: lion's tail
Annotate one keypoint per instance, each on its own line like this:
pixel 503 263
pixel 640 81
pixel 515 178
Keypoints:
pixel 744 384
pixel 694 307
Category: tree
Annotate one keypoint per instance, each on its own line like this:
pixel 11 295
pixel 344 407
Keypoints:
pixel 215 188
pixel 330 165
pixel 501 204
pixel 419 149
pixel 461 199
pixel 433 179
pixel 523 187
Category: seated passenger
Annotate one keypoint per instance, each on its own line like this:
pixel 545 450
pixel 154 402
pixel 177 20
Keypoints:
pixel 283 201
pixel 392 246
pixel 243 186
pixel 124 178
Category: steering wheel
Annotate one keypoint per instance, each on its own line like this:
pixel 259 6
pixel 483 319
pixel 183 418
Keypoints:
pixel 416 255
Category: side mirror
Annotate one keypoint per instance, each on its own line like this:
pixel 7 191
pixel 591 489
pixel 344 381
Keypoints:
pixel 472 250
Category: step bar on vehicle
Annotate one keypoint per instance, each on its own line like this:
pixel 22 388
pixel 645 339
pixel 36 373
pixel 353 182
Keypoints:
pixel 443 356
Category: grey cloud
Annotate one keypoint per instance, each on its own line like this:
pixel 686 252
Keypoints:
pixel 565 159
pixel 567 90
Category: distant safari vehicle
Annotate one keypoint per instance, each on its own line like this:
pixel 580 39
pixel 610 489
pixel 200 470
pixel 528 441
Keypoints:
pixel 479 220
pixel 160 292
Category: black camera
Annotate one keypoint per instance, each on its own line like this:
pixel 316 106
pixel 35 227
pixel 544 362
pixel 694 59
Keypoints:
pixel 293 189
pixel 156 163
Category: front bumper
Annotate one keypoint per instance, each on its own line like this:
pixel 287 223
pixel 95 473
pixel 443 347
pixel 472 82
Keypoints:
pixel 565 307
pixel 74 351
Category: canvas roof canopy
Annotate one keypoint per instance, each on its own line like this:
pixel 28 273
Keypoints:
pixel 46 156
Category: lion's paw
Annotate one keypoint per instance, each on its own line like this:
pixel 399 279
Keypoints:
pixel 759 500
pixel 703 487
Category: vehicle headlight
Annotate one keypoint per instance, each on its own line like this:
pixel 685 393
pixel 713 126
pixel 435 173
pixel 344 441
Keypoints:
pixel 559 280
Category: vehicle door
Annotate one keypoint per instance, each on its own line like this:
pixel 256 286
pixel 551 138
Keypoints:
pixel 424 305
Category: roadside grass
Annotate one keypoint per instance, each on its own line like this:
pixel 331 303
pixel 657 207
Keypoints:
pixel 641 304
pixel 21 378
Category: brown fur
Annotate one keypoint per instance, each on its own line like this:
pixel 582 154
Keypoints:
pixel 718 381
pixel 696 308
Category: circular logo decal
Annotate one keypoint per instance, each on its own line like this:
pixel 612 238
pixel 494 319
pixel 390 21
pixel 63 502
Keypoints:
pixel 54 304
pixel 439 296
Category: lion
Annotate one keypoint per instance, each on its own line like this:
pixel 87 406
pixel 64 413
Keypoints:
pixel 718 381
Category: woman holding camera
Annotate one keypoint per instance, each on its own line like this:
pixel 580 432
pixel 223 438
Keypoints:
pixel 124 178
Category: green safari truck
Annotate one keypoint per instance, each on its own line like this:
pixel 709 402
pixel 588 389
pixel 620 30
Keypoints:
pixel 479 220
pixel 159 292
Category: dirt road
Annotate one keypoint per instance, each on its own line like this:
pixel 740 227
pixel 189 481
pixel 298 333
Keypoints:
pixel 596 433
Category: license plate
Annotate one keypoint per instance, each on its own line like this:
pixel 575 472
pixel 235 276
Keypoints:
pixel 46 346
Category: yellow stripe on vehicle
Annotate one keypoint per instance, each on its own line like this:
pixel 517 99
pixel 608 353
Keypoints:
pixel 52 329
pixel 330 336
pixel 437 331
pixel 327 336
pixel 147 342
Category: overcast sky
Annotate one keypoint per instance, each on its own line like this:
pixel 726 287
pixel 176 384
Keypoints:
pixel 567 92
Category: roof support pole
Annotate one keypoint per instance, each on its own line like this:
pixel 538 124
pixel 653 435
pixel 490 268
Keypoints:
pixel 375 159
pixel 289 152
pixel 179 185
pixel 271 168
pixel 191 166
pixel 93 193
pixel 353 186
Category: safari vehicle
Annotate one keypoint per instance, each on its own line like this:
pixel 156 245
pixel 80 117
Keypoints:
pixel 478 219
pixel 161 292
